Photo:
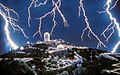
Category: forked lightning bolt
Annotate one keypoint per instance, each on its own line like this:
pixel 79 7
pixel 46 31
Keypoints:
pixel 81 9
pixel 55 9
pixel 5 12
pixel 56 6
pixel 34 3
pixel 12 44
pixel 113 24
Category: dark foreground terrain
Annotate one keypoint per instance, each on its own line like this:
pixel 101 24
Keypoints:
pixel 44 59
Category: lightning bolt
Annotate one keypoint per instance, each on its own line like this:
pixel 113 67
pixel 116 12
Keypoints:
pixel 13 45
pixel 55 9
pixel 115 47
pixel 29 13
pixel 36 4
pixel 81 9
pixel 113 24
pixel 5 12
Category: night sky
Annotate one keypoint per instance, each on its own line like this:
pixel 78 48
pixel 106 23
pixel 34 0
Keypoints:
pixel 69 8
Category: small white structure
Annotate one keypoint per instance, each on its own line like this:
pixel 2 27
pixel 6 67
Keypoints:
pixel 46 37
pixel 60 47
pixel 21 48
pixel 28 42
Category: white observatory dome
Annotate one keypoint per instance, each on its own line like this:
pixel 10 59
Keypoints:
pixel 60 47
pixel 21 48
pixel 46 36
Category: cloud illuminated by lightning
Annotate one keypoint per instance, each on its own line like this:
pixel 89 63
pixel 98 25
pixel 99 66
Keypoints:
pixel 113 24
pixel 81 9
pixel 5 12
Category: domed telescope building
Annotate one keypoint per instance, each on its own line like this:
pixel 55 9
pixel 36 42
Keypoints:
pixel 46 37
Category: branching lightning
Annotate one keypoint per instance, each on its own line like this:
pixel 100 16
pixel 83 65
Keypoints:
pixel 36 4
pixel 55 9
pixel 5 12
pixel 81 8
pixel 113 24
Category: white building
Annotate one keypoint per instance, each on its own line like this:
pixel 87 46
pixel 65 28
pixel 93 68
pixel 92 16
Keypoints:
pixel 46 37
pixel 60 47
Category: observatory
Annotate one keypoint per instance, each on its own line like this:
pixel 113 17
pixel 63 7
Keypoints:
pixel 46 37
pixel 60 47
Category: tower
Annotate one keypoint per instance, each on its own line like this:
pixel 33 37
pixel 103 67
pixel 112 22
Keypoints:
pixel 46 36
